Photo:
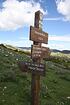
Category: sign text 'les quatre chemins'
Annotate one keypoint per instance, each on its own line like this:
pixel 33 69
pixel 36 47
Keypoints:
pixel 38 35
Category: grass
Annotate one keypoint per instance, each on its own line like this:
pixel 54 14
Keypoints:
pixel 56 87
pixel 15 86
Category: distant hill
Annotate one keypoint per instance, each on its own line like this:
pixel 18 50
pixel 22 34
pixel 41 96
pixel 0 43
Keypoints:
pixel 8 46
pixel 29 48
pixel 63 51
pixel 54 50
pixel 66 51
pixel 2 45
pixel 26 48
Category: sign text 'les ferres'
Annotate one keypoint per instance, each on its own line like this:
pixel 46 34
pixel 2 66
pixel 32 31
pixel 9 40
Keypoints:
pixel 38 35
pixel 39 52
pixel 32 67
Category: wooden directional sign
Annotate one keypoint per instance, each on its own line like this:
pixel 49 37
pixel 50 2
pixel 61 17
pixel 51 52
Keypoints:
pixel 39 52
pixel 32 67
pixel 36 52
pixel 45 52
pixel 38 35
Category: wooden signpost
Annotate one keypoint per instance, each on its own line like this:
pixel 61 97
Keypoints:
pixel 36 67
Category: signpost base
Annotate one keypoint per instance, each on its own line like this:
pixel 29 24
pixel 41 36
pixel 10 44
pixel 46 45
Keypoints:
pixel 35 89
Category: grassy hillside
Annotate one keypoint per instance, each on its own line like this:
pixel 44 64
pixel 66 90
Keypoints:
pixel 15 86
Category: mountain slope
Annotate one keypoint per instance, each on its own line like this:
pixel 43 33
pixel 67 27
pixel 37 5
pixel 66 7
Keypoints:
pixel 15 86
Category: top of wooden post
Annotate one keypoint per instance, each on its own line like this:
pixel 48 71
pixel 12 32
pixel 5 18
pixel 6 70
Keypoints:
pixel 38 19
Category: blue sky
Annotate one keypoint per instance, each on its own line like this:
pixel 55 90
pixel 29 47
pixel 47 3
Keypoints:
pixel 16 16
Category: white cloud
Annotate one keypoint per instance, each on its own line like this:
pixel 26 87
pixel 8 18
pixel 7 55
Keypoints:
pixel 57 46
pixel 58 42
pixel 63 7
pixel 23 38
pixel 65 38
pixel 53 42
pixel 54 18
pixel 16 14
pixel 19 43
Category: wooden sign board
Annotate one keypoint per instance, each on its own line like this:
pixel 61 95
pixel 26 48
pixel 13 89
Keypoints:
pixel 38 35
pixel 39 52
pixel 32 67
pixel 45 52
pixel 36 52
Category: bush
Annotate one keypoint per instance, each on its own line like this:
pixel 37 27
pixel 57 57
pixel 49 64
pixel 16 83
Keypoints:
pixel 8 76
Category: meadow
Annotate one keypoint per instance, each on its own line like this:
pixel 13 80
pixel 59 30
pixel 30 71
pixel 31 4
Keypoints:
pixel 15 86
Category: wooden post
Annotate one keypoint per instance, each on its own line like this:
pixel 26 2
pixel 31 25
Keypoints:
pixel 35 88
pixel 38 52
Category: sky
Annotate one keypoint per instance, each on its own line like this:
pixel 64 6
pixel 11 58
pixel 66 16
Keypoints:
pixel 16 17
